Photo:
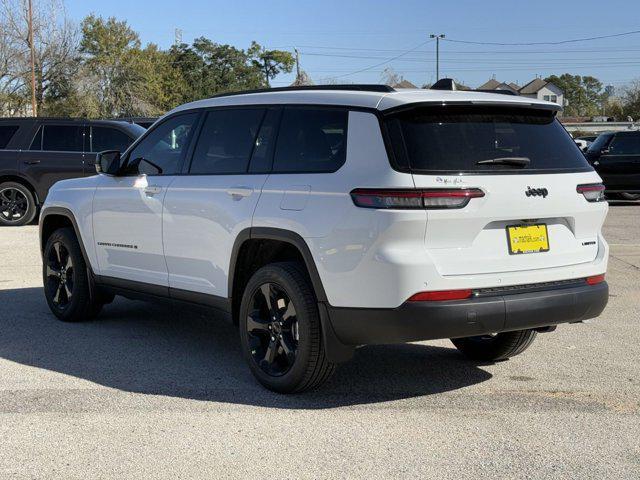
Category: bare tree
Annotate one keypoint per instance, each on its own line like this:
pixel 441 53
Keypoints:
pixel 55 40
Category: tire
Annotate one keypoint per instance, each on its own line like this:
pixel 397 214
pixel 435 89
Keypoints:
pixel 68 295
pixel 268 336
pixel 493 348
pixel 17 204
pixel 630 196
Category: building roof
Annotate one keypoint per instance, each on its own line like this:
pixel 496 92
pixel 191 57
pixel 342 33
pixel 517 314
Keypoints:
pixel 404 84
pixel 515 86
pixel 489 85
pixel 533 86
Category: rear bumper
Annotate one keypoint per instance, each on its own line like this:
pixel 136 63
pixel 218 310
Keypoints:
pixel 463 318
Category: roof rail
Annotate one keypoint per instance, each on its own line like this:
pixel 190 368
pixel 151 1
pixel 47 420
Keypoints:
pixel 499 92
pixel 346 87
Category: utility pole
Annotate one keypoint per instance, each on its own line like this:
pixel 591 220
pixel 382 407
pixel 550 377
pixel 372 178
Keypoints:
pixel 297 63
pixel 34 105
pixel 437 36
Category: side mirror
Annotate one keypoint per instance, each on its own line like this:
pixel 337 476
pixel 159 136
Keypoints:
pixel 108 162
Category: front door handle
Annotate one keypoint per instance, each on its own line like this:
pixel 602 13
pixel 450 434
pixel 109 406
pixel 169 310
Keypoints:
pixel 31 162
pixel 239 192
pixel 152 190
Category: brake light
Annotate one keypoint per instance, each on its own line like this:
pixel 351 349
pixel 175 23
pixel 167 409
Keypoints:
pixel 434 198
pixel 593 192
pixel 441 295
pixel 595 279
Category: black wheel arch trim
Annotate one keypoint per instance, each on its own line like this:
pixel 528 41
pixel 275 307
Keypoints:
pixel 336 351
pixel 11 176
pixel 63 212
pixel 271 233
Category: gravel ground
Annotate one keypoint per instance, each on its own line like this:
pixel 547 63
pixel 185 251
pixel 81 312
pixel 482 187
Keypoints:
pixel 150 392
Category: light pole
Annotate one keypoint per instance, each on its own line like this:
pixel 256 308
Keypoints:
pixel 34 105
pixel 437 36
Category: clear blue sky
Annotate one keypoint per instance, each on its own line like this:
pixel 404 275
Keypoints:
pixel 336 38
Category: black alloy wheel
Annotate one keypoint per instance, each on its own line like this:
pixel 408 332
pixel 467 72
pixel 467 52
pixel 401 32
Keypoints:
pixel 60 275
pixel 14 205
pixel 280 329
pixel 272 329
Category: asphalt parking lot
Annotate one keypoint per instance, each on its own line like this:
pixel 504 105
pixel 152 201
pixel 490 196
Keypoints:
pixel 147 392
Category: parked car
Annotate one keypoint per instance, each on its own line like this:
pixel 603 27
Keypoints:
pixel 323 218
pixel 37 152
pixel 616 158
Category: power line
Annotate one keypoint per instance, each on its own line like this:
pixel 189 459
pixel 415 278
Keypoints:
pixel 386 61
pixel 561 42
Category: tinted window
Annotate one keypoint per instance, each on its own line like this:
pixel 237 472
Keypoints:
pixel 456 138
pixel 107 138
pixel 226 141
pixel 63 138
pixel 160 152
pixel 625 144
pixel 6 133
pixel 311 140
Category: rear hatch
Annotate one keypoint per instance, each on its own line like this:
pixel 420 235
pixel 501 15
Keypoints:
pixel 528 168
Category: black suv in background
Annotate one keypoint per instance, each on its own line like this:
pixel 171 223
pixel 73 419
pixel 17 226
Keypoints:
pixel 616 158
pixel 37 152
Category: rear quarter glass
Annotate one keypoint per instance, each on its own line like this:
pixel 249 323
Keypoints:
pixel 453 139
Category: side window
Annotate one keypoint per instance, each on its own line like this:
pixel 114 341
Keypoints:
pixel 625 145
pixel 63 138
pixel 107 138
pixel 161 151
pixel 311 140
pixel 226 141
pixel 6 134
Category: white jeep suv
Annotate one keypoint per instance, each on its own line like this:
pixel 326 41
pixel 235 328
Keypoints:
pixel 324 218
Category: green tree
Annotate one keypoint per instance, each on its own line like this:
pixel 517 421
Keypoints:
pixel 270 62
pixel 107 47
pixel 631 101
pixel 583 94
pixel 209 68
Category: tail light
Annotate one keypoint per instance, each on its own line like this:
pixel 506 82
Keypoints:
pixel 595 279
pixel 593 192
pixel 441 295
pixel 434 198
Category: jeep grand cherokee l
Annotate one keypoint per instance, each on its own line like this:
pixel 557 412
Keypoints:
pixel 320 219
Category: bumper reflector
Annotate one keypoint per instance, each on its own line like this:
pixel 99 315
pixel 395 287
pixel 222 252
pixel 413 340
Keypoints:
pixel 441 295
pixel 595 279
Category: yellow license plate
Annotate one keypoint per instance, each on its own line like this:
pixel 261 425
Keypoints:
pixel 527 239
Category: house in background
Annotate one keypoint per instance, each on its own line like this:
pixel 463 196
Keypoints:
pixel 536 88
pixel 493 84
pixel 542 90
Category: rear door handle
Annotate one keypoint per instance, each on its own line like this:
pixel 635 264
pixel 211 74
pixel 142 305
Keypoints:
pixel 152 190
pixel 239 192
pixel 31 162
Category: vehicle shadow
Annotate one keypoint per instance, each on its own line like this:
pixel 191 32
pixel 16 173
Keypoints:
pixel 154 349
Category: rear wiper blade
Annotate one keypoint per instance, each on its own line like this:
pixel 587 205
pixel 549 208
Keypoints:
pixel 515 161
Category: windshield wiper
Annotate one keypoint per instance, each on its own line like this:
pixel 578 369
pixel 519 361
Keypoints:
pixel 514 161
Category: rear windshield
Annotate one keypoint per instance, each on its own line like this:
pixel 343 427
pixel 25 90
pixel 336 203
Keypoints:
pixel 475 139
